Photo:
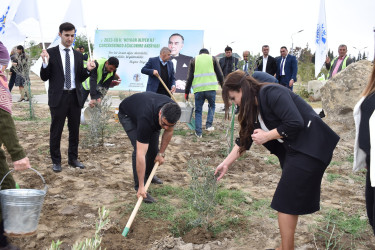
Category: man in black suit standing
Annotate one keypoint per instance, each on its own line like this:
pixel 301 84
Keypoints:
pixel 63 67
pixel 180 62
pixel 266 63
pixel 228 63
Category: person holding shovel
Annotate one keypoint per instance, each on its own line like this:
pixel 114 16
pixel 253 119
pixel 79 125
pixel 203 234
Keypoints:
pixel 273 116
pixel 163 67
pixel 8 137
pixel 142 116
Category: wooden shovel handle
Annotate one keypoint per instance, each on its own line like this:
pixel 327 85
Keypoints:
pixel 166 88
pixel 139 202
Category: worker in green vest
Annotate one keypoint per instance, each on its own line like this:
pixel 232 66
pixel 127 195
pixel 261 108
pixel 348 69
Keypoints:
pixel 103 77
pixel 339 63
pixel 203 76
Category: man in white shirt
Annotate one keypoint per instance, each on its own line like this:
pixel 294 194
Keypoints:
pixel 63 67
pixel 266 63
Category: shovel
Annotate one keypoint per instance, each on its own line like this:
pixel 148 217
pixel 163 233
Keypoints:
pixel 139 202
pixel 191 124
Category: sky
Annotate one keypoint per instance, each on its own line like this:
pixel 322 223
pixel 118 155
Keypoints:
pixel 242 24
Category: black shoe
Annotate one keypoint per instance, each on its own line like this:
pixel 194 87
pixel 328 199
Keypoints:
pixel 156 180
pixel 321 114
pixel 76 164
pixel 56 167
pixel 149 199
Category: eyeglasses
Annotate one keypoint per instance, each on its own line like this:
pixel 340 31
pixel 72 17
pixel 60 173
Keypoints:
pixel 163 124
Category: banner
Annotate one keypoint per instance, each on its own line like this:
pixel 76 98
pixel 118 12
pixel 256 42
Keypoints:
pixel 321 39
pixel 133 48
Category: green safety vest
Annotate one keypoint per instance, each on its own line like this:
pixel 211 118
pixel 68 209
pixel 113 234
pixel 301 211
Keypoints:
pixel 87 81
pixel 204 74
pixel 343 66
pixel 101 63
pixel 85 61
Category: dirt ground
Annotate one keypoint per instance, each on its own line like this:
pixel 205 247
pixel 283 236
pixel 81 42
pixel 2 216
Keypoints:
pixel 74 196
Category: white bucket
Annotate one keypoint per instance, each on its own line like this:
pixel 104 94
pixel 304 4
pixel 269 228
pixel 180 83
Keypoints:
pixel 85 115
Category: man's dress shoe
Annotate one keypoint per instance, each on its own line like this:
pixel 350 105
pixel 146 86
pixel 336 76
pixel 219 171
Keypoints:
pixel 156 180
pixel 56 167
pixel 76 164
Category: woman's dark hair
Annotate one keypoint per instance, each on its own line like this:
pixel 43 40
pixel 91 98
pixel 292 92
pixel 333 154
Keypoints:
pixel 236 81
pixel 171 111
pixel 370 88
pixel 20 47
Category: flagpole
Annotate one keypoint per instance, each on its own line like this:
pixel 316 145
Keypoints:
pixel 88 43
pixel 41 33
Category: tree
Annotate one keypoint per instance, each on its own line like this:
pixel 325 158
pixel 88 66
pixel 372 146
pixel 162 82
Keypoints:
pixel 34 50
pixel 81 40
pixel 364 57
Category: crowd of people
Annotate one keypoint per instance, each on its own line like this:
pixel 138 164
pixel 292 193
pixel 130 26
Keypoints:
pixel 269 114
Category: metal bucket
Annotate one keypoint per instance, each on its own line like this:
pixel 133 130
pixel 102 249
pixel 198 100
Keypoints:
pixel 21 208
pixel 186 112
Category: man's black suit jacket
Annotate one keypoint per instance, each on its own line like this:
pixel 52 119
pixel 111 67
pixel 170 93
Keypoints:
pixel 54 72
pixel 182 66
pixel 271 67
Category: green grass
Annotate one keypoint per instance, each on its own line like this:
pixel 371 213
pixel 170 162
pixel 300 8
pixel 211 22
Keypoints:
pixel 337 230
pixel 272 159
pixel 179 131
pixel 174 205
pixel 335 163
pixel 332 177
pixel 351 224
pixel 350 158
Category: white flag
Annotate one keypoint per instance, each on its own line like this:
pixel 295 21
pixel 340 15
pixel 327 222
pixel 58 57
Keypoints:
pixel 73 15
pixel 321 39
pixel 26 9
pixel 10 34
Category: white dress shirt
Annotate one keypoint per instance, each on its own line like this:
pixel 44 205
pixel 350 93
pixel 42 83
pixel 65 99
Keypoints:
pixel 264 64
pixel 282 70
pixel 71 57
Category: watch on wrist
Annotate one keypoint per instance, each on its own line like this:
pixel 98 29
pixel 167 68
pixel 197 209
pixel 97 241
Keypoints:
pixel 162 154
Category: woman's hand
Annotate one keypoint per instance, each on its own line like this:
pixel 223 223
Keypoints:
pixel 222 169
pixel 260 136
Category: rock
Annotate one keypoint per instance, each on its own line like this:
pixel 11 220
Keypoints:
pixel 314 87
pixel 207 247
pixel 248 200
pixel 188 246
pixel 342 92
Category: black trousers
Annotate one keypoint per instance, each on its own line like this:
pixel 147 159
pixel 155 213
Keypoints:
pixel 153 147
pixel 85 94
pixel 67 108
pixel 370 200
pixel 12 81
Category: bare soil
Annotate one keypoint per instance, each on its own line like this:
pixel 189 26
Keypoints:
pixel 74 196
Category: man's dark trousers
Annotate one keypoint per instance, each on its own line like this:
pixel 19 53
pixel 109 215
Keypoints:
pixel 153 147
pixel 70 108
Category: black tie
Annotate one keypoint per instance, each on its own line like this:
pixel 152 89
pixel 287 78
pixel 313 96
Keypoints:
pixel 67 70
pixel 281 66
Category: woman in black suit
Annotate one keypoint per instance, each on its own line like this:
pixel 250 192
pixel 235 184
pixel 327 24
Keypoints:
pixel 364 117
pixel 273 116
